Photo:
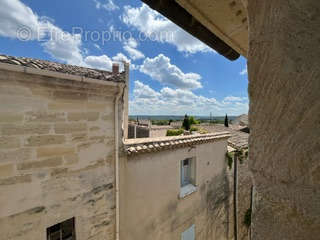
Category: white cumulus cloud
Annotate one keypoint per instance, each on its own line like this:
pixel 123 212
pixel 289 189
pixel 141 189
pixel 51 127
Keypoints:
pixel 234 99
pixel 161 69
pixel 160 29
pixel 18 21
pixel 61 45
pixel 146 100
pixel 130 46
pixel 244 71
pixel 15 15
pixel 100 62
pixel 108 5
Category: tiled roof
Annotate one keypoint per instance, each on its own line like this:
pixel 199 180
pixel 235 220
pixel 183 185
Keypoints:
pixel 62 68
pixel 238 139
pixel 145 145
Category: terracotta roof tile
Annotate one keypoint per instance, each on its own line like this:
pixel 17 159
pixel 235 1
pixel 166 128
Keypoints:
pixel 62 68
pixel 142 145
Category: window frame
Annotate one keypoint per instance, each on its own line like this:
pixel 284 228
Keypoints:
pixel 187 177
pixel 185 235
pixel 59 229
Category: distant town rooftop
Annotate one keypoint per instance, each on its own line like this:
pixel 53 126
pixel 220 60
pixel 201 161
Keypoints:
pixel 62 68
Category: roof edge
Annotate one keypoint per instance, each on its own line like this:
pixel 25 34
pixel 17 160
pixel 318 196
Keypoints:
pixel 145 145
pixel 47 73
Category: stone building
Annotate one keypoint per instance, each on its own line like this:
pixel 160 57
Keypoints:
pixel 68 172
pixel 176 188
pixel 59 136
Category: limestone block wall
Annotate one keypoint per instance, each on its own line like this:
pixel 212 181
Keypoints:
pixel 244 198
pixel 150 206
pixel 284 87
pixel 56 156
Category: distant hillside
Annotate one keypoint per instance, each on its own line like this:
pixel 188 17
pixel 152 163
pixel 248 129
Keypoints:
pixel 177 118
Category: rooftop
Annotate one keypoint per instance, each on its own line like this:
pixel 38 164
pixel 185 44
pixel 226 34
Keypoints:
pixel 145 145
pixel 238 139
pixel 62 68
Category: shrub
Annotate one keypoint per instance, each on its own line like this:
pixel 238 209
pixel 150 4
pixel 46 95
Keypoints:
pixel 203 131
pixel 247 218
pixel 229 157
pixel 193 129
pixel 174 132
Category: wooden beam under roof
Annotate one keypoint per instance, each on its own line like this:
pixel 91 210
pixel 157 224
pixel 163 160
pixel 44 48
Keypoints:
pixel 177 14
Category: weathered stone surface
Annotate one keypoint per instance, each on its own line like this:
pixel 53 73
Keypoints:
pixel 70 95
pixel 71 159
pixel 79 137
pixel 284 86
pixel 61 128
pixel 6 170
pixel 66 106
pixel 16 179
pixel 45 117
pixel 44 140
pixel 30 128
pixel 47 163
pixel 21 154
pixel 54 151
pixel 9 142
pixel 9 117
pixel 79 116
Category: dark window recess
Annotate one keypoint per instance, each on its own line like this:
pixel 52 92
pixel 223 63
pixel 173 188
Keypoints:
pixel 62 231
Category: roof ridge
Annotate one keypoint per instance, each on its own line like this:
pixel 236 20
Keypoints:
pixel 62 68
pixel 133 146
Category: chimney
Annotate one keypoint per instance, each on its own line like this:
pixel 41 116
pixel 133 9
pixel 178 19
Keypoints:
pixel 115 68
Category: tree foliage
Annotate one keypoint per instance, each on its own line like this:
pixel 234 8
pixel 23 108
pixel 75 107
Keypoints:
pixel 174 132
pixel 226 121
pixel 186 123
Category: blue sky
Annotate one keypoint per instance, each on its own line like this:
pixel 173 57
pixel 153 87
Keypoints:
pixel 171 72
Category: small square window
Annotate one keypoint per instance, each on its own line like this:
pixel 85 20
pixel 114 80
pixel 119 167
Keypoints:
pixel 189 234
pixel 62 231
pixel 188 177
pixel 187 172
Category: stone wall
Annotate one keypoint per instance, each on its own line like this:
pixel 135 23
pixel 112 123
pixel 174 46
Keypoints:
pixel 284 86
pixel 56 156
pixel 244 198
pixel 150 204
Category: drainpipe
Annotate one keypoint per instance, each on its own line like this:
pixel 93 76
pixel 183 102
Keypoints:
pixel 115 70
pixel 235 195
pixel 122 94
pixel 116 145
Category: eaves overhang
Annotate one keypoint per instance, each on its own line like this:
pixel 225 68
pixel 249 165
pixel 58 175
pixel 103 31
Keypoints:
pixel 177 14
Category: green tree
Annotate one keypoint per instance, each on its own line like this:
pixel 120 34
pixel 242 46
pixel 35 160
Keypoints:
pixel 193 120
pixel 226 121
pixel 186 123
